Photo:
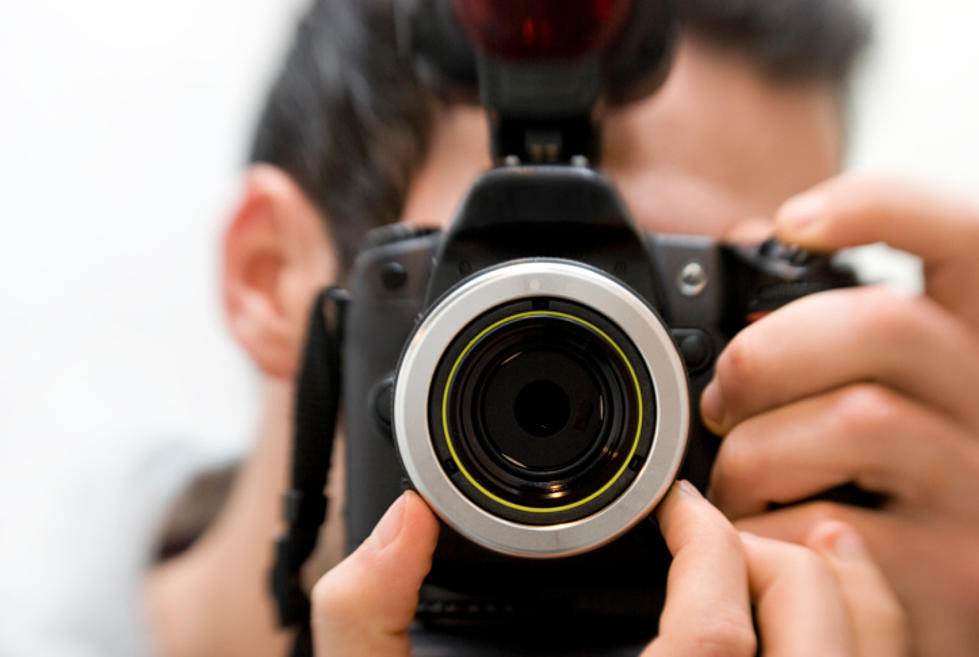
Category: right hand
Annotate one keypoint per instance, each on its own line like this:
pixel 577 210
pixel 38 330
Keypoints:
pixel 824 600
pixel 365 605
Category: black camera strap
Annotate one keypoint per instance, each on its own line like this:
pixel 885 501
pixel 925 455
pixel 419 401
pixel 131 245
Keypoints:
pixel 317 404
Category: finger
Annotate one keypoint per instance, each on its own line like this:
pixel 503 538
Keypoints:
pixel 879 626
pixel 856 209
pixel 753 230
pixel 828 340
pixel 890 538
pixel 707 606
pixel 931 564
pixel 863 433
pixel 364 605
pixel 801 611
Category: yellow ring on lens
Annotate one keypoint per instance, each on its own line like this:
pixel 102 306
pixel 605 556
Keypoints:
pixel 445 413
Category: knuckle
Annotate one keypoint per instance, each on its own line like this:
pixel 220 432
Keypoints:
pixel 873 421
pixel 823 511
pixel 819 512
pixel 867 409
pixel 724 638
pixel 807 562
pixel 736 365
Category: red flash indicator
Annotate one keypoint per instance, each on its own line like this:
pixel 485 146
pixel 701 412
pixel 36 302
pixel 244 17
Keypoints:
pixel 541 29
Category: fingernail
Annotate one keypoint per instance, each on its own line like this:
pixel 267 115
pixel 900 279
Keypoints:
pixel 389 526
pixel 849 545
pixel 800 212
pixel 712 404
pixel 688 489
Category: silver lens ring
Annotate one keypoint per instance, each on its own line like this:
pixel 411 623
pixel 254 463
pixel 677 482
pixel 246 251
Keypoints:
pixel 541 278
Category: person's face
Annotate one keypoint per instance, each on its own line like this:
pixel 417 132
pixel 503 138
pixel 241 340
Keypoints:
pixel 714 152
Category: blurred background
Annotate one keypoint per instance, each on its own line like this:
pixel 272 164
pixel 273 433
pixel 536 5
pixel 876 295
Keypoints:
pixel 123 127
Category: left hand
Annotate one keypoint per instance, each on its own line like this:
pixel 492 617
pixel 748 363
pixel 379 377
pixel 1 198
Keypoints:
pixel 824 599
pixel 870 386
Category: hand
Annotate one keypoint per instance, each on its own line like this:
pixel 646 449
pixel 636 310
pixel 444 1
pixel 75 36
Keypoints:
pixel 365 604
pixel 831 602
pixel 833 606
pixel 874 387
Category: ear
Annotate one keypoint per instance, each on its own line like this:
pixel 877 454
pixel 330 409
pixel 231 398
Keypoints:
pixel 277 256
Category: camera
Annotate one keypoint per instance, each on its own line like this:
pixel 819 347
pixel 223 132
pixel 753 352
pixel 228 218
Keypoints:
pixel 533 373
pixel 533 370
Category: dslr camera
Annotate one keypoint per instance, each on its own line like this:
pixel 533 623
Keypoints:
pixel 533 370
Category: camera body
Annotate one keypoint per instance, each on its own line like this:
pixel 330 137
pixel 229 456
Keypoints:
pixel 533 372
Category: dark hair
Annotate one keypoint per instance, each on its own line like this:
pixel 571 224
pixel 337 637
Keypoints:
pixel 346 118
pixel 348 121
pixel 787 40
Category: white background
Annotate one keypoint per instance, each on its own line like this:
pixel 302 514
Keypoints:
pixel 123 127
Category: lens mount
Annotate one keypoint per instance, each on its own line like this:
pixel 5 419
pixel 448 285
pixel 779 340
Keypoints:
pixel 541 408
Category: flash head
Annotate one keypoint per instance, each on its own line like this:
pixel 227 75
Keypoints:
pixel 543 68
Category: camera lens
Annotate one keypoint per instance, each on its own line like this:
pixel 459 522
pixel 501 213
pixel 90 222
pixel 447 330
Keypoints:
pixel 539 402
pixel 541 408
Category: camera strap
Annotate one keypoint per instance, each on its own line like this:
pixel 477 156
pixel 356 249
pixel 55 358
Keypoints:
pixel 304 509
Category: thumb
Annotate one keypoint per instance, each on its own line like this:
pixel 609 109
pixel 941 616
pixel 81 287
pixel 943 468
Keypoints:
pixel 364 605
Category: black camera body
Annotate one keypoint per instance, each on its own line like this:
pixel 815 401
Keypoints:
pixel 534 373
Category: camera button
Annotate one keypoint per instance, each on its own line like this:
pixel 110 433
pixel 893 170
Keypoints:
pixel 695 346
pixel 382 404
pixel 393 275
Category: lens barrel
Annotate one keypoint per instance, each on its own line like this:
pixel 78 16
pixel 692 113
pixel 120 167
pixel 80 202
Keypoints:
pixel 541 411
pixel 541 408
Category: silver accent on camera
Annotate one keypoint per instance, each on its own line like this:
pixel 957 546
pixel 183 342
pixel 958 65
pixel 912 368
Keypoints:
pixel 692 279
pixel 541 278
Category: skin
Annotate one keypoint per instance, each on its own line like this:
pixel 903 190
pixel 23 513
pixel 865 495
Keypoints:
pixel 889 402
pixel 800 411
pixel 827 599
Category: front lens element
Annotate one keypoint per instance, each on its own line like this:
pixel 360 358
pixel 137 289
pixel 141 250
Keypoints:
pixel 545 411
pixel 542 408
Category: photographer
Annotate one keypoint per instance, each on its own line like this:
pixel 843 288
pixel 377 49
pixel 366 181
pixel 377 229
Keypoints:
pixel 856 385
